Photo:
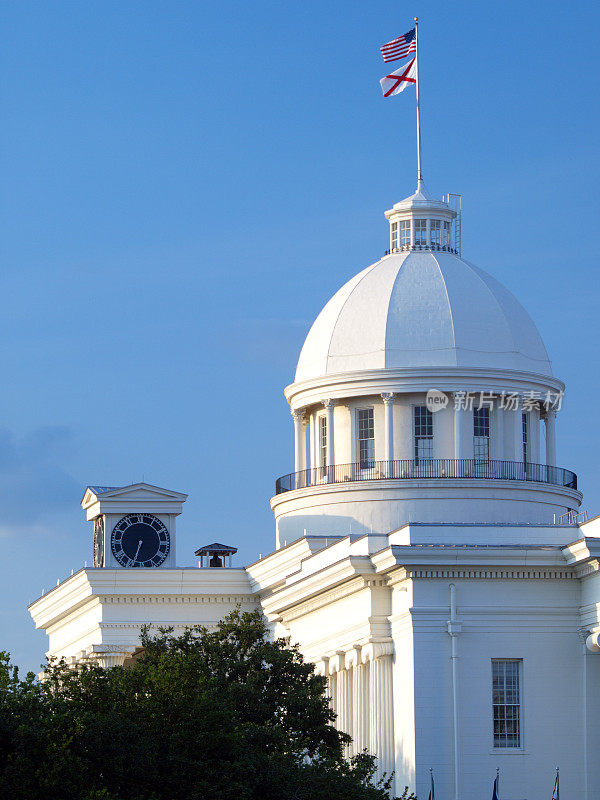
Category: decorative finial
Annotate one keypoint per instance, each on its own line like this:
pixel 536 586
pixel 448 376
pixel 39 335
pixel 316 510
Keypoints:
pixel 416 19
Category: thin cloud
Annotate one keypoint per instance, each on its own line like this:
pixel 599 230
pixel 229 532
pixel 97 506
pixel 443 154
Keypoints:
pixel 33 485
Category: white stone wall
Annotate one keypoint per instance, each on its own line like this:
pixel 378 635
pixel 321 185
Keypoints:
pixel 533 620
pixel 108 607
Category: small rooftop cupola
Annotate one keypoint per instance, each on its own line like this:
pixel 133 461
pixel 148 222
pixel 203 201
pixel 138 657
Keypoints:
pixel 217 555
pixel 421 222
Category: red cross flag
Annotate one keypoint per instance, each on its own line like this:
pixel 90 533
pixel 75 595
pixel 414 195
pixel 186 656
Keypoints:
pixel 397 81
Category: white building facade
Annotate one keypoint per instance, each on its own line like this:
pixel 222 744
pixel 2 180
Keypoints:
pixel 430 556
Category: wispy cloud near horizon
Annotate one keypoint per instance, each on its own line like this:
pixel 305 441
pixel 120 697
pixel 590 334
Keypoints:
pixel 33 485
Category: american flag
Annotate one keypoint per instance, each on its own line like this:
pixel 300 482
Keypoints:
pixel 400 47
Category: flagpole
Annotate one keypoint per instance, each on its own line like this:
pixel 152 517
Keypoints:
pixel 419 174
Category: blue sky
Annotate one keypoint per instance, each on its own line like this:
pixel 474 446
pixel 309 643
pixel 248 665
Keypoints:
pixel 183 187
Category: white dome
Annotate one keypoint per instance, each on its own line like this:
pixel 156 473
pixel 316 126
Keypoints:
pixel 421 310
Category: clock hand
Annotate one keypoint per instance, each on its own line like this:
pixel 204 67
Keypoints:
pixel 138 550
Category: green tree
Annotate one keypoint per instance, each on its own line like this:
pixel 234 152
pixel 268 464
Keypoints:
pixel 224 714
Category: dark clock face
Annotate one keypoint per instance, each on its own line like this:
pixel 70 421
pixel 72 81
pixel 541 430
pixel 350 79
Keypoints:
pixel 140 540
pixel 99 542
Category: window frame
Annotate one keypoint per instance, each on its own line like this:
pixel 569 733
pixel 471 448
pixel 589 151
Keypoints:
pixel 447 237
pixel 435 232
pixel 507 748
pixel 404 232
pixel 394 236
pixel 365 463
pixel 420 227
pixel 482 438
pixel 417 459
pixel 525 437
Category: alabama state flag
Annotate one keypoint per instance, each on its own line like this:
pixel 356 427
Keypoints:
pixel 397 81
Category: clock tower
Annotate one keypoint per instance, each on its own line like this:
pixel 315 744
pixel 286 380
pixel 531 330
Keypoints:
pixel 134 526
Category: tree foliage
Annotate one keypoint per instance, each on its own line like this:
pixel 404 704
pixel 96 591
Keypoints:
pixel 224 714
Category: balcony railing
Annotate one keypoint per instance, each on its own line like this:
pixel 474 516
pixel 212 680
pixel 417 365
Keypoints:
pixel 437 248
pixel 427 468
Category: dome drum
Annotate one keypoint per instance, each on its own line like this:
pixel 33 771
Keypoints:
pixel 381 506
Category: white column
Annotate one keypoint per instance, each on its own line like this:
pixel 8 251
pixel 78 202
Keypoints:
pixel 342 692
pixel 344 702
pixel 340 696
pixel 517 423
pixel 584 715
pixel 388 407
pixel 299 441
pixel 534 427
pixel 381 717
pixel 332 692
pixel 322 668
pixel 454 628
pixel 360 706
pixel 329 404
pixel 311 441
pixel 551 438
pixel 403 440
pixel 458 432
pixel 499 412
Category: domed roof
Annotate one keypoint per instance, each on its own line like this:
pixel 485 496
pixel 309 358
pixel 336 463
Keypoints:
pixel 422 309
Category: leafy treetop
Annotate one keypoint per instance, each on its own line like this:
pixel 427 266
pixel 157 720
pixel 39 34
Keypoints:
pixel 223 714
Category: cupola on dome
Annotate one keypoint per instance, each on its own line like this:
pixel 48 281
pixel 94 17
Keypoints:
pixel 422 306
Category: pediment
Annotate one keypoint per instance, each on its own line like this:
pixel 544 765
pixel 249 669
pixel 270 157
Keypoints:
pixel 134 493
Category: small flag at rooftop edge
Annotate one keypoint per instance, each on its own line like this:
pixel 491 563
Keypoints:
pixel 400 47
pixel 397 81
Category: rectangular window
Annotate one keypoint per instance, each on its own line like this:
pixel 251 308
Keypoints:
pixel 525 438
pixel 405 233
pixel 481 434
pixel 435 231
pixel 323 440
pixel 506 702
pixel 420 231
pixel 446 234
pixel 394 240
pixel 423 433
pixel 366 438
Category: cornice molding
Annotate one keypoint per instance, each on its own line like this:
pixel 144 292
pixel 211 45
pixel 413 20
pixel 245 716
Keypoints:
pixel 418 379
pixel 317 583
pixel 588 568
pixel 485 573
pixel 177 599
pixel 303 607
pixel 154 623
